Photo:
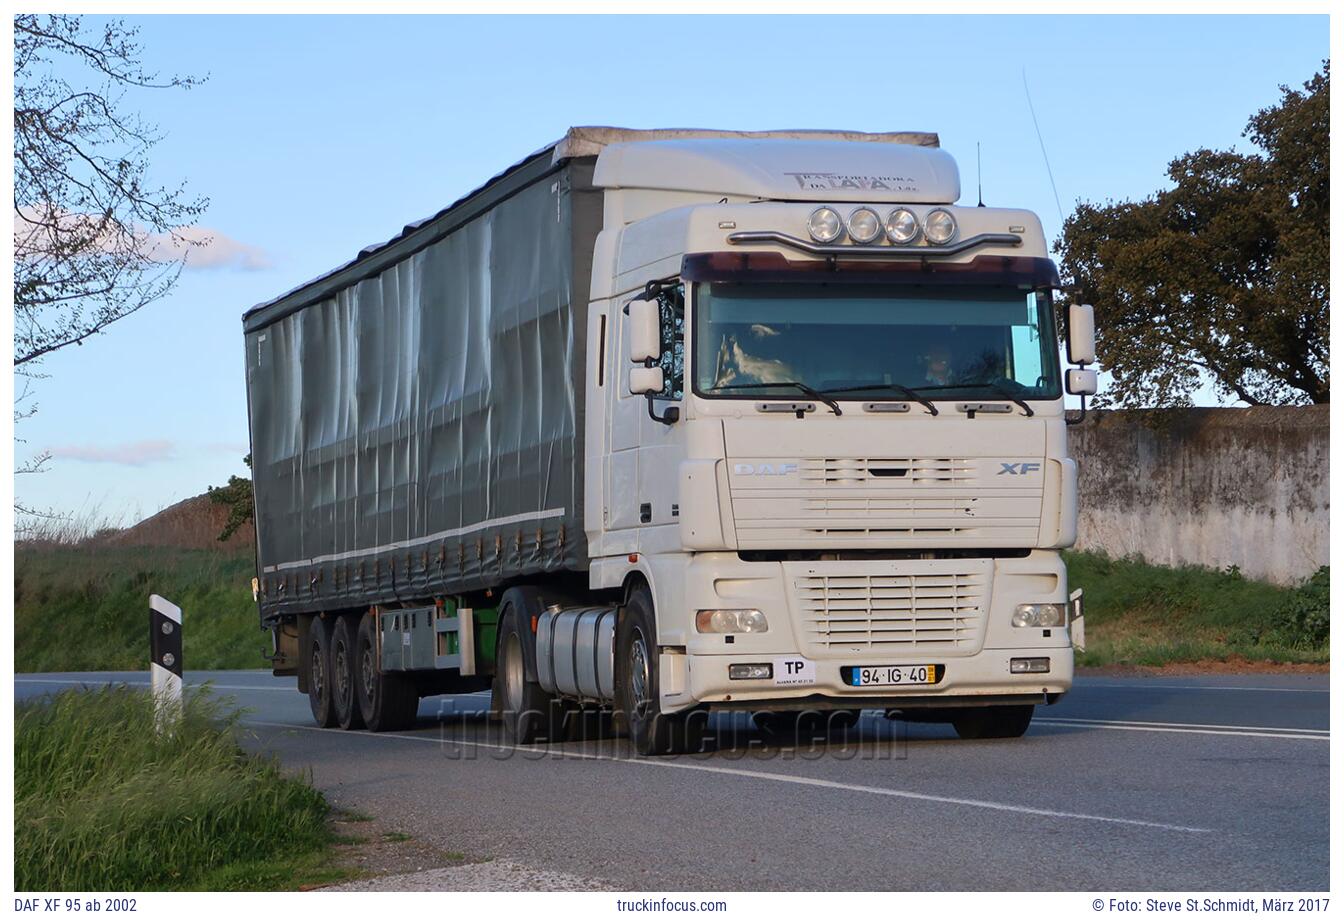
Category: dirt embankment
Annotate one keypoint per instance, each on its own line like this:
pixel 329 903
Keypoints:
pixel 194 523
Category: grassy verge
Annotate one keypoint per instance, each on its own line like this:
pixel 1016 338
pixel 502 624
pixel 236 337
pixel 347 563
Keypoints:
pixel 102 803
pixel 1141 614
pixel 86 608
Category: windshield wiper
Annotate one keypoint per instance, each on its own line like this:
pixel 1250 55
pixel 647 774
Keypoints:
pixel 801 387
pixel 896 387
pixel 1008 394
pixel 996 388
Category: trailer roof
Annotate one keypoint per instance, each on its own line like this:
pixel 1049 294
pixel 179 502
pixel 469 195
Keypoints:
pixel 577 143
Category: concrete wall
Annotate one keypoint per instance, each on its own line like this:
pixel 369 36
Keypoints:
pixel 1211 487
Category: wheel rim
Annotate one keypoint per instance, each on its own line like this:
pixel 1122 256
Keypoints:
pixel 366 670
pixel 317 672
pixel 342 675
pixel 513 672
pixel 639 675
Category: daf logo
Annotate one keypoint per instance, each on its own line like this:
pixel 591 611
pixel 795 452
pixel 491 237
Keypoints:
pixel 764 469
pixel 1017 469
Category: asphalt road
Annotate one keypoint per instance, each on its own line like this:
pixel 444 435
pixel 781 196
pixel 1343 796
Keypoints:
pixel 1198 783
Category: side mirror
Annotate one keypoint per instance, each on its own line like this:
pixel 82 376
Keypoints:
pixel 646 380
pixel 645 335
pixel 1081 382
pixel 1082 334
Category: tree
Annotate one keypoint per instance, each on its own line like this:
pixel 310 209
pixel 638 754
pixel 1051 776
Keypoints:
pixel 94 238
pixel 1224 277
pixel 237 497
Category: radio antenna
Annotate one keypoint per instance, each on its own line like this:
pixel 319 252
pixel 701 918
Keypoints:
pixel 979 178
pixel 1045 156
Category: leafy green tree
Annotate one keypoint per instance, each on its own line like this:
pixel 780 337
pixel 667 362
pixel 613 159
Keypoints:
pixel 1226 276
pixel 236 495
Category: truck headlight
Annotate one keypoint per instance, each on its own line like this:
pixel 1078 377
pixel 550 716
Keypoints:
pixel 1039 615
pixel 730 621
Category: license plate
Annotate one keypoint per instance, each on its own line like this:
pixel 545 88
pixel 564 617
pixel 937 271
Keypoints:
pixel 892 675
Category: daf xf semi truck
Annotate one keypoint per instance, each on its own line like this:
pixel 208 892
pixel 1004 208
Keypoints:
pixel 665 423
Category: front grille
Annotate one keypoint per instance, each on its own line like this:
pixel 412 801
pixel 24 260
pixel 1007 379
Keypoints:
pixel 935 612
pixel 877 471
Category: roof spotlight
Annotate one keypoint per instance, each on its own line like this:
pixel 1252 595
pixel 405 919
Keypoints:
pixel 940 226
pixel 902 226
pixel 825 225
pixel 864 225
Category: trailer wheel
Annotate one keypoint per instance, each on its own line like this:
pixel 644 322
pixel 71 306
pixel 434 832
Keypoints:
pixel 993 721
pixel 637 693
pixel 319 672
pixel 387 701
pixel 528 712
pixel 344 701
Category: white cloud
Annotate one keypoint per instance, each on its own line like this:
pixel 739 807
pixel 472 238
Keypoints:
pixel 136 453
pixel 201 247
pixel 215 250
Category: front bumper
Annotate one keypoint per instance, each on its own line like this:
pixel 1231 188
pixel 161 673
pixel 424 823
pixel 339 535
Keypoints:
pixel 982 678
pixel 694 668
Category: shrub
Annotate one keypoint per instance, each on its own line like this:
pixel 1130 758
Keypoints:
pixel 1304 619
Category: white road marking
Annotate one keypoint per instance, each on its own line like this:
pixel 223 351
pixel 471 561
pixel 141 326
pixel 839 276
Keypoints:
pixel 85 682
pixel 1243 731
pixel 1084 684
pixel 138 682
pixel 763 775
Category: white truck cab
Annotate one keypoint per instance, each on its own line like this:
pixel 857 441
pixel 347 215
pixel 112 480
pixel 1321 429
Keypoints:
pixel 831 438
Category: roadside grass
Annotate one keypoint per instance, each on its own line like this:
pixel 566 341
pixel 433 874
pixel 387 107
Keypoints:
pixel 103 803
pixel 1142 614
pixel 85 607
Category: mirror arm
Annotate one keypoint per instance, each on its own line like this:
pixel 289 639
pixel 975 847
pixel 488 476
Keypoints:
pixel 1082 408
pixel 671 415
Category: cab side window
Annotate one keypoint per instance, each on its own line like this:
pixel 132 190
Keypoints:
pixel 672 359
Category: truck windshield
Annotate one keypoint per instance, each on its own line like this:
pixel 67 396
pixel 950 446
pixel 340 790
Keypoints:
pixel 944 343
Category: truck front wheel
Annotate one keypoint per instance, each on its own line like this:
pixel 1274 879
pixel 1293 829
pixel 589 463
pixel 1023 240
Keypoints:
pixel 637 691
pixel 993 721
pixel 528 712
pixel 387 701
pixel 319 672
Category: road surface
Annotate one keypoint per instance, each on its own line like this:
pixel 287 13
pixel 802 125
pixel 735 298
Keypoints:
pixel 1215 782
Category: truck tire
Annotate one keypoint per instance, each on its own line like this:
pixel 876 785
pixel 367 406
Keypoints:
pixel 993 721
pixel 344 701
pixel 387 701
pixel 637 693
pixel 529 714
pixel 319 672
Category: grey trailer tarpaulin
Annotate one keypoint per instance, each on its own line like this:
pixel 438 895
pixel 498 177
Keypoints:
pixel 416 415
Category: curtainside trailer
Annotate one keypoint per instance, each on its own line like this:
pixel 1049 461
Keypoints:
pixel 668 422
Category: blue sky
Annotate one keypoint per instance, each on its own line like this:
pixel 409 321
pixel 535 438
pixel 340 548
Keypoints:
pixel 315 136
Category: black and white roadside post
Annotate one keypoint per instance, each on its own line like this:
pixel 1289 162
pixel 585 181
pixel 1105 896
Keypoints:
pixel 165 660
